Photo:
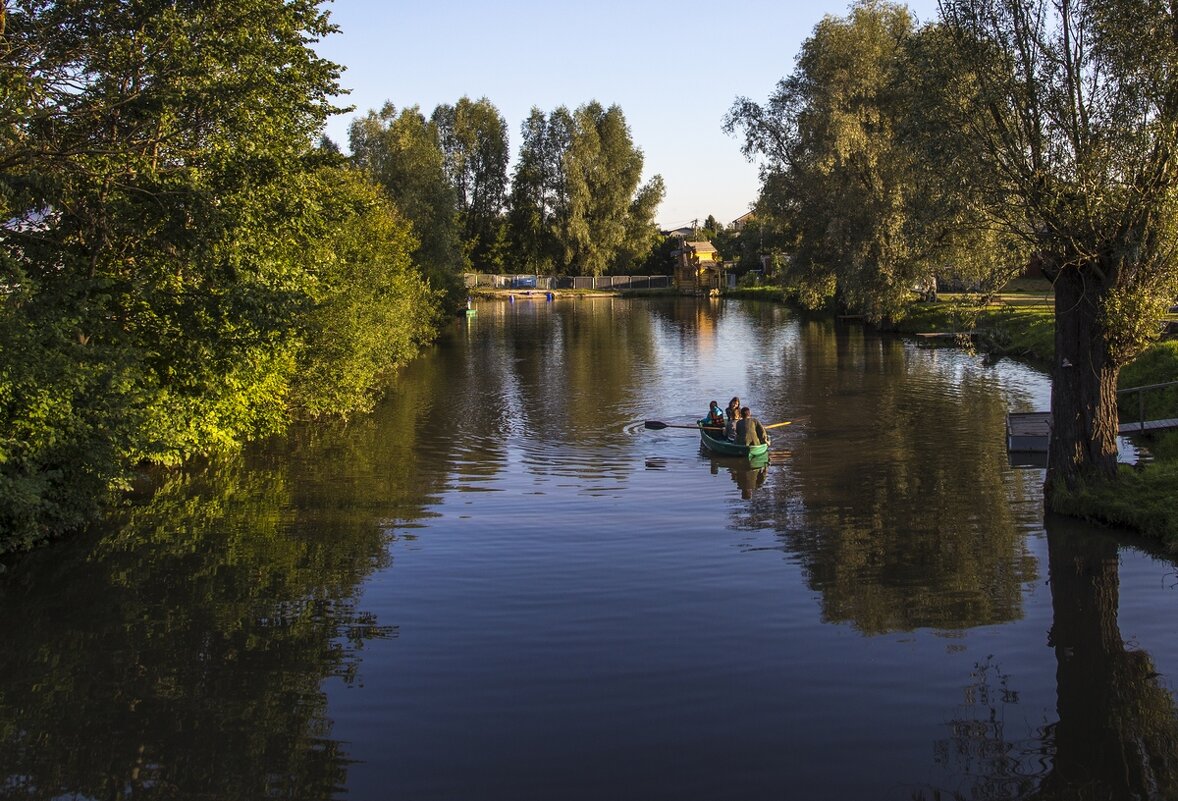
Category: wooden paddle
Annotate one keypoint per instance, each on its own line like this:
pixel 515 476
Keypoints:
pixel 657 425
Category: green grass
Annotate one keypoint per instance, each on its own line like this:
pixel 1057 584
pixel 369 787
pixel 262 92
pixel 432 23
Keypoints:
pixel 1141 499
pixel 1026 331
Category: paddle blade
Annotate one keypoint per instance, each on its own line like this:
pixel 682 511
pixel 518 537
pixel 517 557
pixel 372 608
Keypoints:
pixel 779 425
pixel 655 425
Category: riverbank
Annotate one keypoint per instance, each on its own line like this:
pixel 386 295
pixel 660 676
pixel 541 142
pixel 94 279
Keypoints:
pixel 542 294
pixel 1020 322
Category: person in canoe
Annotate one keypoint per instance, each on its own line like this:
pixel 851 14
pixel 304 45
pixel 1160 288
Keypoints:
pixel 715 418
pixel 749 430
pixel 731 418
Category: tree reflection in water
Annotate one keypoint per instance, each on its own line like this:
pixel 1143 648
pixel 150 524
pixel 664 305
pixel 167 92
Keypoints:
pixel 1116 736
pixel 182 654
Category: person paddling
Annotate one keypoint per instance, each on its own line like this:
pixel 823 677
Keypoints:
pixel 749 430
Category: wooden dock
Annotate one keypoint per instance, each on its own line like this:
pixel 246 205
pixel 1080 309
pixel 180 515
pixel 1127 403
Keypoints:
pixel 1029 432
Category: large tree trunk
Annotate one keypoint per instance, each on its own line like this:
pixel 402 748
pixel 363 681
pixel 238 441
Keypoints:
pixel 1083 386
pixel 1117 726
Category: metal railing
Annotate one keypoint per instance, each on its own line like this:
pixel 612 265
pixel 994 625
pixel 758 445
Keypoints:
pixel 525 281
pixel 1164 413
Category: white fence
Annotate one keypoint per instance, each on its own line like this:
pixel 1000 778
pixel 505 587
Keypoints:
pixel 489 281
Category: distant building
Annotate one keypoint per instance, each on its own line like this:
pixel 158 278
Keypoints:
pixel 698 268
pixel 740 222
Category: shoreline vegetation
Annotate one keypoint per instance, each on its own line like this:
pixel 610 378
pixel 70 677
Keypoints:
pixel 187 266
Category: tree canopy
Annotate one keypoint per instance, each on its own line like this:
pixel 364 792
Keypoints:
pixel 401 151
pixel 576 203
pixel 1012 133
pixel 855 174
pixel 161 203
pixel 474 142
pixel 1074 123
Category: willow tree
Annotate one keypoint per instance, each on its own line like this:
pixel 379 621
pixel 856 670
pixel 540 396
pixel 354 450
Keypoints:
pixel 838 173
pixel 1074 118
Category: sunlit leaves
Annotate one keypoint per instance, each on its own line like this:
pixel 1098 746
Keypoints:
pixel 164 249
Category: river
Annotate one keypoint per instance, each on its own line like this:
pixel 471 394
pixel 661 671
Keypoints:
pixel 501 585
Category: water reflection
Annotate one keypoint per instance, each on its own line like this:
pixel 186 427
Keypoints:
pixel 908 517
pixel 748 474
pixel 182 654
pixel 1116 735
pixel 501 580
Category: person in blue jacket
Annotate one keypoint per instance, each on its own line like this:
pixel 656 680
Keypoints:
pixel 715 419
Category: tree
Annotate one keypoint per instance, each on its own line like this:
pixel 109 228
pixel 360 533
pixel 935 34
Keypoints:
pixel 531 206
pixel 1075 121
pixel 473 139
pixel 576 205
pixel 402 153
pixel 602 168
pixel 152 199
pixel 370 308
pixel 835 161
pixel 858 185
pixel 642 235
pixel 712 227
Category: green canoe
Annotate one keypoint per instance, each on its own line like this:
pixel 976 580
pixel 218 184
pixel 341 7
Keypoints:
pixel 723 447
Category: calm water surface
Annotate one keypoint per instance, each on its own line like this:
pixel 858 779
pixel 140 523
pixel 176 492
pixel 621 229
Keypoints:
pixel 502 586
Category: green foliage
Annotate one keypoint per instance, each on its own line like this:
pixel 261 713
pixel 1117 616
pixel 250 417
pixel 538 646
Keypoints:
pixel 473 139
pixel 1072 125
pixel 841 176
pixel 65 414
pixel 576 204
pixel 372 310
pixel 752 292
pixel 1158 364
pixel 177 259
pixel 532 205
pixel 660 259
pixel 402 153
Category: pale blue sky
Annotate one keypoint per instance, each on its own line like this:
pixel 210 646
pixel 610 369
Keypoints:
pixel 674 68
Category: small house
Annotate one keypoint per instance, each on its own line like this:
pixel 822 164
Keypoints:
pixel 698 268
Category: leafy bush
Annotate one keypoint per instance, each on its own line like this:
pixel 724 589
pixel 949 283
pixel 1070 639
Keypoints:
pixel 371 309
